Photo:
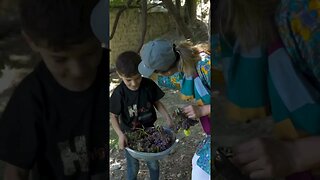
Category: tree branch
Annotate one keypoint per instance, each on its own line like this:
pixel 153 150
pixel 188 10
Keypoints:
pixel 180 23
pixel 116 21
pixel 178 6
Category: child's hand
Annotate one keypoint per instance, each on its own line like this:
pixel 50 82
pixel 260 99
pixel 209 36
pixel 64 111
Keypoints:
pixel 122 141
pixel 265 158
pixel 192 111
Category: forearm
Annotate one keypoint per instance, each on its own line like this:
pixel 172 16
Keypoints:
pixel 115 124
pixel 205 110
pixel 163 111
pixel 12 172
pixel 306 153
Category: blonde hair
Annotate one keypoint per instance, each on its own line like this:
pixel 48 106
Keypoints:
pixel 189 56
pixel 250 21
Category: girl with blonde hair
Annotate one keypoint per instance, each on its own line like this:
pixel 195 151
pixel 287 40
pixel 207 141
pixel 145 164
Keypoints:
pixel 185 67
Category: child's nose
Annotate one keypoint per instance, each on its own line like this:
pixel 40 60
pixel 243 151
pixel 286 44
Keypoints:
pixel 134 83
pixel 78 70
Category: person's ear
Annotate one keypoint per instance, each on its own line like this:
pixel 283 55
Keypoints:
pixel 31 43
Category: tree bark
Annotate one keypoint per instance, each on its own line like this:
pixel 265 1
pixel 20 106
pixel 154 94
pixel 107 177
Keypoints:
pixel 178 19
pixel 190 11
pixel 178 6
pixel 143 17
pixel 115 24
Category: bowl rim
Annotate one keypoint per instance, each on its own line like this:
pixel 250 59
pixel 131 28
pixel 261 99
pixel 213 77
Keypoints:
pixel 175 141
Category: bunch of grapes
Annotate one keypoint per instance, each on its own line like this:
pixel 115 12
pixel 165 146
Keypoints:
pixel 150 140
pixel 183 121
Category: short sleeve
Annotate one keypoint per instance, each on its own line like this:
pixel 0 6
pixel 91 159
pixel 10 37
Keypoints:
pixel 155 91
pixel 298 24
pixel 18 128
pixel 204 69
pixel 115 102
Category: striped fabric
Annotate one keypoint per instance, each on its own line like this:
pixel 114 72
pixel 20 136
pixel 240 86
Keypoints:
pixel 257 79
pixel 196 87
pixel 285 77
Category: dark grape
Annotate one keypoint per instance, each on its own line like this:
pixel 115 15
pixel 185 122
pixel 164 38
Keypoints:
pixel 153 140
pixel 183 121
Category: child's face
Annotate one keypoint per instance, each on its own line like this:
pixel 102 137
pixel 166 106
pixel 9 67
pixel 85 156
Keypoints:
pixel 133 82
pixel 74 67
pixel 169 72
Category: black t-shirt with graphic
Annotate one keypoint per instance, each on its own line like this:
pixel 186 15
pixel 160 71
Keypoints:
pixel 136 106
pixel 56 133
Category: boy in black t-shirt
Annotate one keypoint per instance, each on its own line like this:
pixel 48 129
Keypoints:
pixel 55 122
pixel 132 105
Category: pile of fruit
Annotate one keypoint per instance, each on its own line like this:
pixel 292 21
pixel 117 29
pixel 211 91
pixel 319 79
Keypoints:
pixel 151 140
pixel 183 122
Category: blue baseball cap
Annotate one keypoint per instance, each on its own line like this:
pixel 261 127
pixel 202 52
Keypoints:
pixel 100 21
pixel 156 55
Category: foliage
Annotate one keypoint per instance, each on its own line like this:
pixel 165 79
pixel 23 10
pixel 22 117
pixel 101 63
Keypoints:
pixel 113 139
pixel 114 3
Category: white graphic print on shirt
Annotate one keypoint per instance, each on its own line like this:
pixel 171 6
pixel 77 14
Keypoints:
pixel 69 158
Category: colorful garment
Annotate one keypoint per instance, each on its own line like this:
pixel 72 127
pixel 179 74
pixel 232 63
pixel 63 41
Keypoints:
pixel 245 76
pixel 296 89
pixel 203 151
pixel 192 87
pixel 201 160
pixel 198 88
pixel 298 26
pixel 285 77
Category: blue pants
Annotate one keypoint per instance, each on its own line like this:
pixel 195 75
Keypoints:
pixel 133 168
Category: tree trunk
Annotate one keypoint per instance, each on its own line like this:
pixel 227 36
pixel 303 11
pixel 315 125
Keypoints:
pixel 178 7
pixel 178 19
pixel 143 22
pixel 190 9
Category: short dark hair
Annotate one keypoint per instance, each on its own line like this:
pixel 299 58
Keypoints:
pixel 57 23
pixel 127 63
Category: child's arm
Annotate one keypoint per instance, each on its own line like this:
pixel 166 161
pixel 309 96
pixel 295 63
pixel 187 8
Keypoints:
pixel 160 107
pixel 274 158
pixel 12 172
pixel 115 124
pixel 194 111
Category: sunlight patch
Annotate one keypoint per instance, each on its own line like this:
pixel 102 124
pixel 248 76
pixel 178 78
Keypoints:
pixel 7 78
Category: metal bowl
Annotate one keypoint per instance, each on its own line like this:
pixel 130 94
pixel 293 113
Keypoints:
pixel 155 156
